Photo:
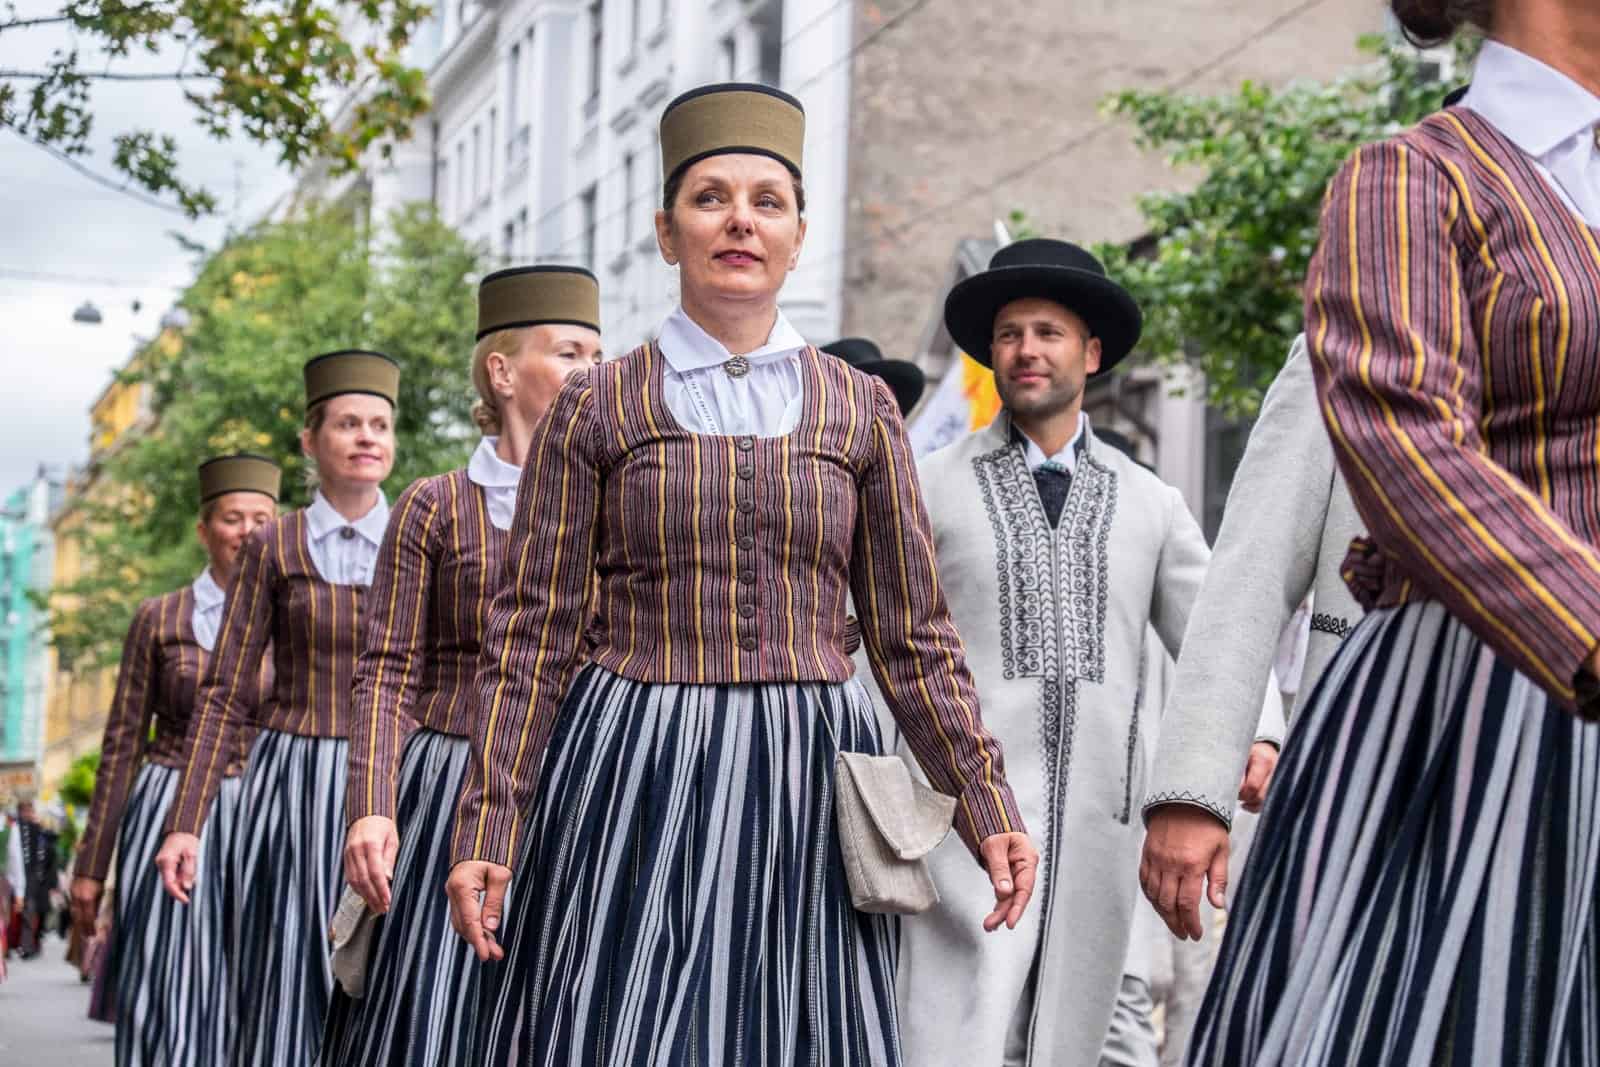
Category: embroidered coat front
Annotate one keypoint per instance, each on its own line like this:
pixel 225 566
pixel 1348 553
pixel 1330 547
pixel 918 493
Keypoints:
pixel 1055 623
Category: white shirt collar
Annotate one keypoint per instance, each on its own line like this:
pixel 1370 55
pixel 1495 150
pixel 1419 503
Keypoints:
pixel 687 347
pixel 1536 106
pixel 487 469
pixel 207 593
pixel 1067 457
pixel 322 520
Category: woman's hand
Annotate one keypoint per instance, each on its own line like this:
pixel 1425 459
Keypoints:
pixel 84 899
pixel 370 849
pixel 478 923
pixel 177 862
pixel 1257 776
pixel 1012 863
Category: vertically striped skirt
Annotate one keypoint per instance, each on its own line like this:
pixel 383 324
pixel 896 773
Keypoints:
pixel 422 978
pixel 1422 886
pixel 169 961
pixel 680 897
pixel 287 868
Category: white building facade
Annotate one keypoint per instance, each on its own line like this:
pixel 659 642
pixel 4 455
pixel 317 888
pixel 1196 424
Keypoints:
pixel 544 144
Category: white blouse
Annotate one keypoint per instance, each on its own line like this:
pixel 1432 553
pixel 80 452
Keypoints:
pixel 207 614
pixel 1546 114
pixel 345 553
pixel 498 479
pixel 1067 457
pixel 705 398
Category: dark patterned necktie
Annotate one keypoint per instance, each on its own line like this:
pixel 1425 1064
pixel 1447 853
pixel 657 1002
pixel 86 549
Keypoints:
pixel 1053 481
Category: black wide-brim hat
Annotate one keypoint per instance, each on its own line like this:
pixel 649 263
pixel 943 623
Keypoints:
pixel 904 378
pixel 1050 270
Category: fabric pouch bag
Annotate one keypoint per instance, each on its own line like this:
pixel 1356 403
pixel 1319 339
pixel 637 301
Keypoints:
pixel 351 937
pixel 888 822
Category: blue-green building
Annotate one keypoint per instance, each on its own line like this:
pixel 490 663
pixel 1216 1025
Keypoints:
pixel 26 559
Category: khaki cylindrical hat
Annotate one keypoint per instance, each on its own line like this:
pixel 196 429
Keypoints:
pixel 732 117
pixel 538 296
pixel 352 371
pixel 241 472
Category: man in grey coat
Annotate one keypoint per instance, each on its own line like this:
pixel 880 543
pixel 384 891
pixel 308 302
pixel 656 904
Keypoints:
pixel 1057 555
pixel 1288 524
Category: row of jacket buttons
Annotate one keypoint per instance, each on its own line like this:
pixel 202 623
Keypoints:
pixel 746 542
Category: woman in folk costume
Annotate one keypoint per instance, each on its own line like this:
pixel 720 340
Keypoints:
pixel 679 895
pixel 437 572
pixel 167 963
pixel 299 588
pixel 1423 884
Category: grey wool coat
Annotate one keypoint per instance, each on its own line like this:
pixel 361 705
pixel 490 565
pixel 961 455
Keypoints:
pixel 1055 624
pixel 1285 532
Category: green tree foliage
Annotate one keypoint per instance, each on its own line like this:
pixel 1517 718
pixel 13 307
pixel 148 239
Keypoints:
pixel 77 785
pixel 1222 286
pixel 315 79
pixel 269 300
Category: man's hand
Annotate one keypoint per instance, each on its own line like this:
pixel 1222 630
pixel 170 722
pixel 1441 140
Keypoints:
pixel 370 849
pixel 1258 776
pixel 177 862
pixel 1012 863
pixel 1184 847
pixel 478 923
pixel 84 900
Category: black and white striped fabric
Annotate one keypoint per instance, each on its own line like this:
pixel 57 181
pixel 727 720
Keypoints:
pixel 1422 885
pixel 681 898
pixel 169 960
pixel 287 872
pixel 422 979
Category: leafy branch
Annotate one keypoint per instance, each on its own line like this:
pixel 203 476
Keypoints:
pixel 1221 271
pixel 289 75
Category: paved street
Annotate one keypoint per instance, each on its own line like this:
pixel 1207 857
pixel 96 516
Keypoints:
pixel 42 1020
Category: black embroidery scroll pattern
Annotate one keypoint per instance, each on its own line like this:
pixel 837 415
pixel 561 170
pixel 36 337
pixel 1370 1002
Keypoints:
pixel 1040 635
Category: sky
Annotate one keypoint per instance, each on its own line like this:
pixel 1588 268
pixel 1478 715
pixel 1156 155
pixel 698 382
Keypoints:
pixel 55 222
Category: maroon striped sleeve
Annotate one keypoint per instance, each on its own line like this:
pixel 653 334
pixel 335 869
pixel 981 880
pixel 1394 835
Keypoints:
pixel 911 641
pixel 394 637
pixel 1400 372
pixel 531 643
pixel 123 743
pixel 227 696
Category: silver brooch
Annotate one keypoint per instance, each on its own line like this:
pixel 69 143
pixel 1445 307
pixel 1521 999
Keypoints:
pixel 737 367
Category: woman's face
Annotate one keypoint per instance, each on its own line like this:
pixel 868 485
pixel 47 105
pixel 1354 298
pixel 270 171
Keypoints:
pixel 735 230
pixel 355 444
pixel 530 379
pixel 233 517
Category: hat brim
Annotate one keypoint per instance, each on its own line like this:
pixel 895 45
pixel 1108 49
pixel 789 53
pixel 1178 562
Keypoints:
pixel 1107 308
pixel 904 379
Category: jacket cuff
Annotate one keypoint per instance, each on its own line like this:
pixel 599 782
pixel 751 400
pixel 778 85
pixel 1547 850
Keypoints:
pixel 980 815
pixel 1223 812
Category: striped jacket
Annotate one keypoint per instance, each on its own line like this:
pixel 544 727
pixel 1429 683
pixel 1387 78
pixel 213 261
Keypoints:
pixel 1453 310
pixel 157 681
pixel 720 560
pixel 435 577
pixel 277 600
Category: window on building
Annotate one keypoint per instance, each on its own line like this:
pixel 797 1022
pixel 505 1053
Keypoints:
pixel 508 242
pixel 769 42
pixel 589 203
pixel 513 86
pixel 596 46
pixel 635 21
pixel 521 249
pixel 730 58
pixel 441 188
pixel 477 163
pixel 488 149
pixel 628 206
pixel 463 190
